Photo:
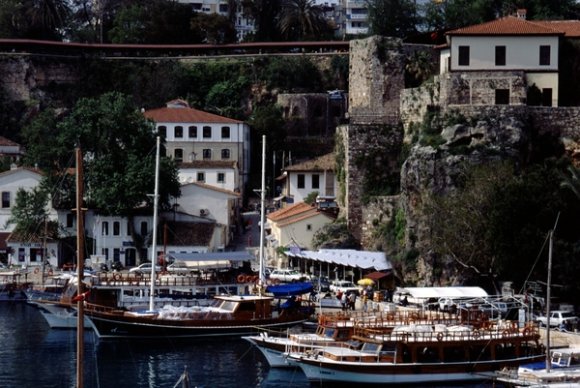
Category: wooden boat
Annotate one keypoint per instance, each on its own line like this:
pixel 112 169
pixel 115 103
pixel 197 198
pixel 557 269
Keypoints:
pixel 61 317
pixel 11 288
pixel 338 329
pixel 234 315
pixel 423 355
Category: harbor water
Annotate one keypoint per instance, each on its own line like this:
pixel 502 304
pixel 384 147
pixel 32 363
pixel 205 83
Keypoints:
pixel 33 355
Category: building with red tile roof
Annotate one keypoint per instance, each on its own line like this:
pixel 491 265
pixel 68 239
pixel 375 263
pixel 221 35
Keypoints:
pixel 194 136
pixel 500 60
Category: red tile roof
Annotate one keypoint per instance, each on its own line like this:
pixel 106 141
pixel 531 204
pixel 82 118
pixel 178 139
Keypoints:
pixel 322 163
pixel 208 164
pixel 178 111
pixel 7 142
pixel 297 209
pixel 570 28
pixel 509 25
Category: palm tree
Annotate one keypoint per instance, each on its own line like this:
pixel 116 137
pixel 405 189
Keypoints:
pixel 46 18
pixel 302 20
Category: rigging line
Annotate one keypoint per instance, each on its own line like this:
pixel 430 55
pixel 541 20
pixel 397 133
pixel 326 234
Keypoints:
pixel 536 261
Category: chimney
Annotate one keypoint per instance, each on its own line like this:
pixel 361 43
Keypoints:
pixel 521 13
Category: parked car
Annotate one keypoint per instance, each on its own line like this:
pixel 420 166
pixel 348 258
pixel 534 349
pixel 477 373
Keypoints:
pixel 144 268
pixel 288 275
pixel 344 286
pixel 559 318
pixel 179 268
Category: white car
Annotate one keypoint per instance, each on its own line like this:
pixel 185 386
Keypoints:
pixel 287 275
pixel 179 268
pixel 559 318
pixel 344 286
pixel 144 269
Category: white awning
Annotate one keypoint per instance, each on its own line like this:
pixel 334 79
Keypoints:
pixel 443 292
pixel 347 257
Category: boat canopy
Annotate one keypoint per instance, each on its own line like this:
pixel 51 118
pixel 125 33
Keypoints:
pixel 443 292
pixel 290 289
pixel 211 258
pixel 346 257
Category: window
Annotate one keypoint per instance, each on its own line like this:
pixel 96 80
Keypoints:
pixel 105 253
pixel 70 220
pixel 206 132
pixel 179 131
pixel 193 132
pixel 309 227
pixel 300 181
pixel 128 229
pixel 5 199
pixel 116 228
pixel 201 177
pixel 144 228
pixel 225 132
pixel 221 177
pixel 502 96
pixel 500 55
pixel 105 228
pixel 225 153
pixel 315 181
pixel 116 254
pixel 544 55
pixel 162 129
pixel 207 154
pixel 178 155
pixel 463 56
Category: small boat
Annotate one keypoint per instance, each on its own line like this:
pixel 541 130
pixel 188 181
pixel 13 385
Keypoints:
pixel 233 316
pixel 11 288
pixel 423 355
pixel 61 317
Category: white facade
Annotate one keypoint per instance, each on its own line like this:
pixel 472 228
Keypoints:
pixel 521 52
pixel 301 184
pixel 223 178
pixel 357 17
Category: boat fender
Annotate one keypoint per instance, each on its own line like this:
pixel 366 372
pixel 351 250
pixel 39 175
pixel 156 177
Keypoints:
pixel 241 278
pixel 36 270
pixel 506 333
pixel 440 336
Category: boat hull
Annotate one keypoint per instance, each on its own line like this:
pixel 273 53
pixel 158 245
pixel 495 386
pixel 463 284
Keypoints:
pixel 397 374
pixel 109 327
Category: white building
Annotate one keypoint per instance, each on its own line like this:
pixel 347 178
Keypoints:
pixel 192 135
pixel 294 226
pixel 506 46
pixel 316 175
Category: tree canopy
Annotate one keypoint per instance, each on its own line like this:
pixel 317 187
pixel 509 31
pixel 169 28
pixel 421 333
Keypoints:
pixel 118 145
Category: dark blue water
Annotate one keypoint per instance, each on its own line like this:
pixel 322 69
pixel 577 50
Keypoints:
pixel 33 355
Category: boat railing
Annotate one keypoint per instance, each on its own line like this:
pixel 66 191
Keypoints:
pixel 528 333
pixel 123 279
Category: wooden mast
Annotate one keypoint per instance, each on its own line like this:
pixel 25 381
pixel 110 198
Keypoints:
pixel 80 268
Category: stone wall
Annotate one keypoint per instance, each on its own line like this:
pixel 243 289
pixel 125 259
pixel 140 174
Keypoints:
pixel 380 210
pixel 478 88
pixel 376 78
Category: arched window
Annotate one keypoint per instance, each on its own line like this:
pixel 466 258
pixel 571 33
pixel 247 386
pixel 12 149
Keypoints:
pixel 178 131
pixel 162 129
pixel 193 132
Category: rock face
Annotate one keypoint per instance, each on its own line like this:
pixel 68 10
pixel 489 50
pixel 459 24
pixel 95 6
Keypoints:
pixel 428 171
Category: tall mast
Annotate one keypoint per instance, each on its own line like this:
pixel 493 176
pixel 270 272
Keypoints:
pixel 154 242
pixel 262 213
pixel 80 268
pixel 549 296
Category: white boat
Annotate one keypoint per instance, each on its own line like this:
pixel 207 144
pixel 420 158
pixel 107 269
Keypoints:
pixel 433 355
pixel 61 317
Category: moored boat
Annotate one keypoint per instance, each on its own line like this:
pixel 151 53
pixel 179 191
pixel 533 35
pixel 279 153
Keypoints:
pixel 232 316
pixel 423 355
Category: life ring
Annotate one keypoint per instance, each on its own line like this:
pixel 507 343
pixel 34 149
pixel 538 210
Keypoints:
pixel 476 334
pixel 440 336
pixel 514 326
pixel 241 278
pixel 36 270
pixel 256 279
pixel 526 332
pixel 506 333
pixel 117 276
